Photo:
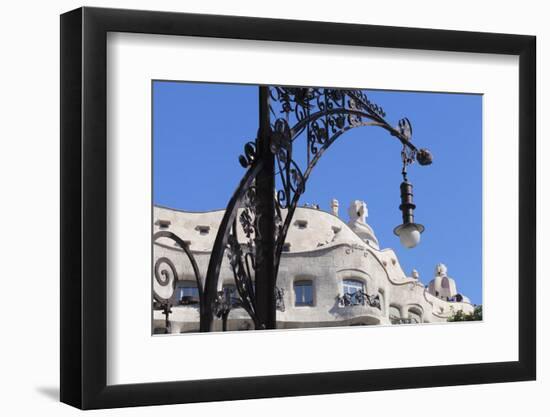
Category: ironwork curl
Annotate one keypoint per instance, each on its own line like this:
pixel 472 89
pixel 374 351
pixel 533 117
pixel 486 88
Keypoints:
pixel 164 280
pixel 323 115
pixel 249 155
pixel 162 275
pixel 242 262
pixel 279 299
pixel 359 298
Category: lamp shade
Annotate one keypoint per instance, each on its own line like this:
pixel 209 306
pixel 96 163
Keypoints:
pixel 409 234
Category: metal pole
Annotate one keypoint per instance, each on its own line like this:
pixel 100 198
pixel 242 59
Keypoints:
pixel 265 209
pixel 407 206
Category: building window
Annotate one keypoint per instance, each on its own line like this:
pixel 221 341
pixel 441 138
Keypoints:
pixel 415 316
pixel 187 242
pixel 230 291
pixel 395 315
pixel 303 291
pixel 163 224
pixel 188 292
pixel 203 230
pixel 353 291
pixel 301 224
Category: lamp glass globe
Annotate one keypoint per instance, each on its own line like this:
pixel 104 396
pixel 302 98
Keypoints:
pixel 409 236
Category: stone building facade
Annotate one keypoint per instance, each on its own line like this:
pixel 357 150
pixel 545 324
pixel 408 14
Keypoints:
pixel 332 273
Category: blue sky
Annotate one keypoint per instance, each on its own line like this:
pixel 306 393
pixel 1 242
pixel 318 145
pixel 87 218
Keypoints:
pixel 199 131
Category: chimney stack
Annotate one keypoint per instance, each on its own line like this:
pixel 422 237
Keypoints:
pixel 334 207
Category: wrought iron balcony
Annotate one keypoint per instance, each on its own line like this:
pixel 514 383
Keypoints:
pixel 398 320
pixel 188 300
pixel 358 298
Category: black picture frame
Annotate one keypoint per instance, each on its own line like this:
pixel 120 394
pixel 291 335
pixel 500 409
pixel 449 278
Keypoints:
pixel 84 207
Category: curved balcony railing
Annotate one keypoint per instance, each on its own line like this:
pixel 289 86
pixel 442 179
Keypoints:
pixel 360 298
pixel 399 320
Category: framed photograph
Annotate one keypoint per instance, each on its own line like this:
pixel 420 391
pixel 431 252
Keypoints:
pixel 258 208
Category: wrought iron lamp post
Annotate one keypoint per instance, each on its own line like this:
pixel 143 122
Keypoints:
pixel 268 194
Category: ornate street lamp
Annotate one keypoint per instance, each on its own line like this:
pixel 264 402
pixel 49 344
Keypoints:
pixel 267 196
pixel 409 232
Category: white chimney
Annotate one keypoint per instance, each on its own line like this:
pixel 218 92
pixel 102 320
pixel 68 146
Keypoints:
pixel 334 207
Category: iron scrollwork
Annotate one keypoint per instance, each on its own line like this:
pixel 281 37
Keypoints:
pixel 242 262
pixel 249 155
pixel 223 305
pixel 166 276
pixel 322 115
pixel 241 208
pixel 242 257
pixel 359 298
pixel 279 298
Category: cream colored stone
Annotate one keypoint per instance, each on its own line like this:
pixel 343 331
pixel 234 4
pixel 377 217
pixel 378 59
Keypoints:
pixel 325 250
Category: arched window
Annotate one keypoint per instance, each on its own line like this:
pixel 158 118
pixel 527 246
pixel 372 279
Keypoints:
pixel 395 315
pixel 382 300
pixel 187 292
pixel 415 316
pixel 353 285
pixel 354 290
pixel 303 292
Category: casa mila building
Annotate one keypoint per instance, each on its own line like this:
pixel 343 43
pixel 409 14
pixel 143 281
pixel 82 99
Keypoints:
pixel 332 273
